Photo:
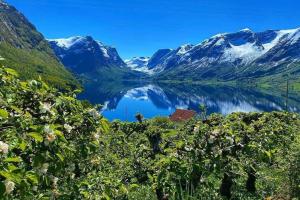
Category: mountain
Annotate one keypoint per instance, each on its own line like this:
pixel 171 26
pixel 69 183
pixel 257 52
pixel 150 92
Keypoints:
pixel 158 57
pixel 139 64
pixel 85 55
pixel 91 59
pixel 23 48
pixel 228 56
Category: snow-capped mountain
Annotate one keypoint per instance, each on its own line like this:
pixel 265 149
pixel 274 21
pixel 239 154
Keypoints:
pixel 242 53
pixel 139 64
pixel 85 55
pixel 158 57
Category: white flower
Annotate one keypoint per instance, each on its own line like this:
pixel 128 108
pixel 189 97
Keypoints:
pixel 211 139
pixel 48 130
pixel 230 139
pixel 94 113
pixel 96 136
pixel 4 147
pixel 54 181
pixel 45 107
pixel 51 137
pixel 196 128
pixel 72 176
pixel 68 128
pixel 216 132
pixel 50 134
pixel 9 186
pixel 35 188
pixel 44 168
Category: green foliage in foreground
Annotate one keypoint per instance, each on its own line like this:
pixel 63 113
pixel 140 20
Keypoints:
pixel 53 146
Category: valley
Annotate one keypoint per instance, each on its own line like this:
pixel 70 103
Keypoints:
pixel 215 120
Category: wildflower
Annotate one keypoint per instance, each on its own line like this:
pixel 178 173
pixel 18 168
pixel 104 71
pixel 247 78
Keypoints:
pixel 96 136
pixel 51 137
pixel 44 168
pixel 68 128
pixel 9 186
pixel 211 139
pixel 48 130
pixel 50 134
pixel 94 113
pixel 3 147
pixel 196 128
pixel 54 181
pixel 45 107
pixel 72 176
pixel 216 132
pixel 230 139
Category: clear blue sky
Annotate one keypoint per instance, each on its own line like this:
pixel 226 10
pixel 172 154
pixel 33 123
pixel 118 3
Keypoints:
pixel 140 27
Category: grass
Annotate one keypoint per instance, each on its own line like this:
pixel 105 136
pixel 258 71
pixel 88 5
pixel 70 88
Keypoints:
pixel 33 64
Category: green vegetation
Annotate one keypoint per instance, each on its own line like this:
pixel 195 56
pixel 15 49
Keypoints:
pixel 53 146
pixel 32 64
pixel 26 50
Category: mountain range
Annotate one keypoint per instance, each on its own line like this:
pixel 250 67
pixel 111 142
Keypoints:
pixel 228 56
pixel 267 55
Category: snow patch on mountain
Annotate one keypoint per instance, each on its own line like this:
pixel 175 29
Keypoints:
pixel 139 64
pixel 184 49
pixel 246 52
pixel 66 43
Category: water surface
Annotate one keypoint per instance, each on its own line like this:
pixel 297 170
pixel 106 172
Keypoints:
pixel 122 100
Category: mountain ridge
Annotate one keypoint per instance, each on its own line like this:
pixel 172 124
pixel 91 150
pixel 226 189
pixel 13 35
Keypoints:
pixel 92 59
pixel 229 56
pixel 25 49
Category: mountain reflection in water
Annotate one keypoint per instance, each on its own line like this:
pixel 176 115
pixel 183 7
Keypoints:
pixel 122 100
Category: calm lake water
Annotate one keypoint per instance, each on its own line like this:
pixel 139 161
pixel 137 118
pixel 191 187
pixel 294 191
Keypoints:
pixel 122 100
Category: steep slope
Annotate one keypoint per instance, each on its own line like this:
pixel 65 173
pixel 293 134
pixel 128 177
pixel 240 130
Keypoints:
pixel 158 57
pixel 85 55
pixel 23 48
pixel 90 58
pixel 139 64
pixel 234 55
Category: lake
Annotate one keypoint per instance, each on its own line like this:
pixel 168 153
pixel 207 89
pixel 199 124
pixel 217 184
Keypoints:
pixel 123 100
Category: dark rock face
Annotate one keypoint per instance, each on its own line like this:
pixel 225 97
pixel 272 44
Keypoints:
pixel 85 55
pixel 157 57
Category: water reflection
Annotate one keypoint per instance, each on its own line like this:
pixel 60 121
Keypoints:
pixel 122 100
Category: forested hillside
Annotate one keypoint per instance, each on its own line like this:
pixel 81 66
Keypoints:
pixel 23 48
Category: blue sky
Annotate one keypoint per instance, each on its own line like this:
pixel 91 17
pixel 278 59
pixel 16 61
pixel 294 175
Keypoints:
pixel 140 27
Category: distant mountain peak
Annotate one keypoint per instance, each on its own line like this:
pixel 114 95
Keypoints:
pixel 231 51
pixel 84 54
pixel 246 30
pixel 67 42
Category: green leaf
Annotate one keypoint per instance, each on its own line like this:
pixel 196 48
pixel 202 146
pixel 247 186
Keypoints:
pixel 11 71
pixel 36 136
pixel 32 177
pixel 23 145
pixel 268 153
pixel 3 114
pixel 60 156
pixel 60 135
pixel 13 160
